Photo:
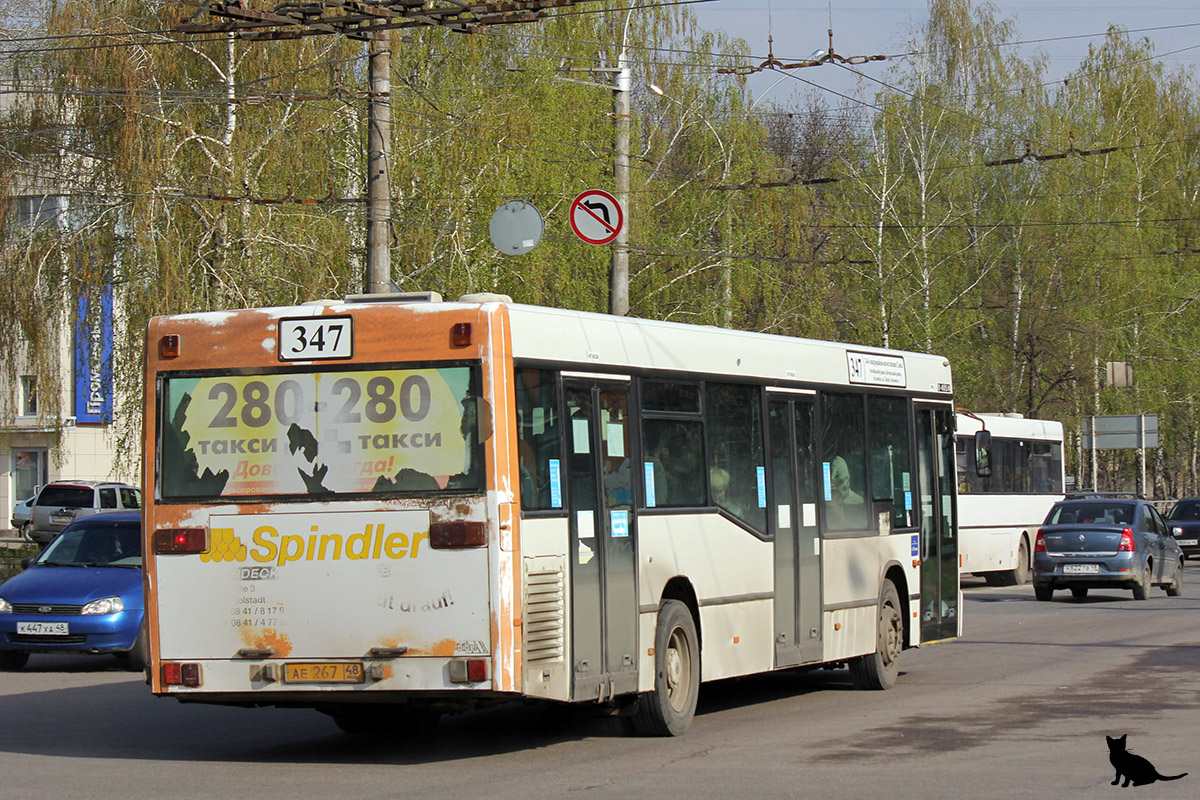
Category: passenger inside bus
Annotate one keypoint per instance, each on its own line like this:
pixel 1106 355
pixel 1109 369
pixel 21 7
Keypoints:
pixel 846 508
pixel 719 480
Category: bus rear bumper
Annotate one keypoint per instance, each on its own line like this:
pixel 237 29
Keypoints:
pixel 282 681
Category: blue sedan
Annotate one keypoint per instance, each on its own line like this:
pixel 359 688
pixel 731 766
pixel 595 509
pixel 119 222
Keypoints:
pixel 1103 543
pixel 82 594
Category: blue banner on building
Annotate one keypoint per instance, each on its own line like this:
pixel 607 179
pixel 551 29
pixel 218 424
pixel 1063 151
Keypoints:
pixel 94 356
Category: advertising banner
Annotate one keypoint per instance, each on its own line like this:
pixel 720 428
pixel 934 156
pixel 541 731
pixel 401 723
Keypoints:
pixel 377 430
pixel 93 356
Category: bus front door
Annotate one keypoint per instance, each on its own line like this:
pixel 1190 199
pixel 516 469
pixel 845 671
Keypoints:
pixel 602 540
pixel 939 527
pixel 794 525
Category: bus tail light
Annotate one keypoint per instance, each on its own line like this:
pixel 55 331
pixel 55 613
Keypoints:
pixel 460 334
pixel 168 346
pixel 1039 544
pixel 177 674
pixel 180 541
pixel 468 670
pixel 1126 545
pixel 447 535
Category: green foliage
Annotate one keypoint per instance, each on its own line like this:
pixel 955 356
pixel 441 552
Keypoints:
pixel 185 156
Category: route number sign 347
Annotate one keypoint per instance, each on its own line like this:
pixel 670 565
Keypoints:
pixel 313 339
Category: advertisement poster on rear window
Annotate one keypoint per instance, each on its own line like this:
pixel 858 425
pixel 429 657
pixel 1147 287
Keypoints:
pixel 315 433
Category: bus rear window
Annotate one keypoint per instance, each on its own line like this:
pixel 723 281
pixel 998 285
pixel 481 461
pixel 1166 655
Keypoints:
pixel 373 431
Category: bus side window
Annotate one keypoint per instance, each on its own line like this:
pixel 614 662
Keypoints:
pixel 891 460
pixel 673 436
pixel 737 469
pixel 674 463
pixel 538 440
pixel 843 462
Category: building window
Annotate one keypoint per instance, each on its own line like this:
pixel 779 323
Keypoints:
pixel 29 404
pixel 32 211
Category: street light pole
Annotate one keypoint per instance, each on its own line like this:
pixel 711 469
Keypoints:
pixel 379 138
pixel 618 281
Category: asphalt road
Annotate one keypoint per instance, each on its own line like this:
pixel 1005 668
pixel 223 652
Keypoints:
pixel 1018 708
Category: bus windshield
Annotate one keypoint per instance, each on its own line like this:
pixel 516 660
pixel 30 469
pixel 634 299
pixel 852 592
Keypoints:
pixel 334 432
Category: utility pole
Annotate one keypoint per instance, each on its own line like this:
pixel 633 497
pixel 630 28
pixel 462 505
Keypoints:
pixel 618 281
pixel 379 146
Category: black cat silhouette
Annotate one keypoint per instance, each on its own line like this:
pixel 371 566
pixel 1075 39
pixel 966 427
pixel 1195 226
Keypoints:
pixel 1136 769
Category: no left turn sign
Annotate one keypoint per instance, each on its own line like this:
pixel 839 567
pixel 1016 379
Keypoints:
pixel 596 217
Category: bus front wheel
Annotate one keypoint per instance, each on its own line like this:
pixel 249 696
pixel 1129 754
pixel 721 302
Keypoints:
pixel 669 708
pixel 880 669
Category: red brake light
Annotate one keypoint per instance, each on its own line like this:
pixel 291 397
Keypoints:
pixel 460 334
pixel 178 541
pixel 468 670
pixel 1039 544
pixel 1126 541
pixel 443 535
pixel 176 674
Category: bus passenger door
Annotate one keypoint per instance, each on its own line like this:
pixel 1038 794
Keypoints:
pixel 938 545
pixel 794 525
pixel 602 541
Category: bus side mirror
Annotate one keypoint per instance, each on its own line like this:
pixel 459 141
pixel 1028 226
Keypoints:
pixel 983 454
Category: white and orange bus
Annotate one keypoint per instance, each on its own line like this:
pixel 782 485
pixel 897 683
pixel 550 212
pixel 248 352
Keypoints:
pixel 392 507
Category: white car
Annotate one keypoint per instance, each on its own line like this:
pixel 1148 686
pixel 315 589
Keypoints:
pixel 22 515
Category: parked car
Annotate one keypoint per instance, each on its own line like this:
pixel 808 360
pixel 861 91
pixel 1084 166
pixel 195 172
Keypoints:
pixel 82 594
pixel 61 502
pixel 21 515
pixel 1103 542
pixel 1184 524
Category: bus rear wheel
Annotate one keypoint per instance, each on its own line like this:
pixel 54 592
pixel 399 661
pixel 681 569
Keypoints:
pixel 880 669
pixel 1018 575
pixel 669 708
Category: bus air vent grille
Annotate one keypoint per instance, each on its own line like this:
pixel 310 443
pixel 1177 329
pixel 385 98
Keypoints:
pixel 545 610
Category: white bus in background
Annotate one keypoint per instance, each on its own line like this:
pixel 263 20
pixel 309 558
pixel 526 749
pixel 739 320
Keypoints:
pixel 1002 502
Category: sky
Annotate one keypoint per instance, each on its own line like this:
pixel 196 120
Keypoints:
pixel 799 27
